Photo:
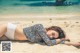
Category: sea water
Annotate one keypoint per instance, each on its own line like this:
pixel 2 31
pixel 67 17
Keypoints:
pixel 36 7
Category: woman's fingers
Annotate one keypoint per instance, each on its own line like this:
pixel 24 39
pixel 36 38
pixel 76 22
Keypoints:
pixel 78 44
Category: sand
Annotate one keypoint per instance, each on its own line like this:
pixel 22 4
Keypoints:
pixel 70 25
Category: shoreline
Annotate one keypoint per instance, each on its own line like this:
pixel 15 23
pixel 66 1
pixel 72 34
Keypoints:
pixel 38 15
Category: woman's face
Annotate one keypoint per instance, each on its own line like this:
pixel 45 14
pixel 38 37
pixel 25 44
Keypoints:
pixel 52 34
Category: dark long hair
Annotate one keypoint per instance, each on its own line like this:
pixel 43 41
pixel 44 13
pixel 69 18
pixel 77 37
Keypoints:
pixel 57 29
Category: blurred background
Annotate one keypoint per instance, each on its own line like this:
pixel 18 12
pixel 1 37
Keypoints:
pixel 39 7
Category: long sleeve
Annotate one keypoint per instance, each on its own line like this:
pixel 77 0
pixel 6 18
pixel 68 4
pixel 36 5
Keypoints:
pixel 54 42
pixel 42 33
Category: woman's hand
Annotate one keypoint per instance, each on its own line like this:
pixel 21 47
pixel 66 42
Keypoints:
pixel 58 41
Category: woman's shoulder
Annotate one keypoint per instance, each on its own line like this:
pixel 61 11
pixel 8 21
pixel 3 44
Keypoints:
pixel 39 26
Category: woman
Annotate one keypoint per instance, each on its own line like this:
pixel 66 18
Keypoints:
pixel 37 33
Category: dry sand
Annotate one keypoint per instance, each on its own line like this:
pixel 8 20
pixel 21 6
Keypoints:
pixel 70 25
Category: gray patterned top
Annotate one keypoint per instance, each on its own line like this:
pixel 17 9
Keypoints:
pixel 36 33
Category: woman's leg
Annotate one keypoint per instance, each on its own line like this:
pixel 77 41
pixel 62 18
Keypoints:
pixel 18 34
pixel 4 38
pixel 3 29
pixel 10 31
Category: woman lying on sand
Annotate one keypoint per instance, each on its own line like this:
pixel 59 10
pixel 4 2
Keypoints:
pixel 37 33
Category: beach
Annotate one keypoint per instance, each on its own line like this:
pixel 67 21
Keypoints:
pixel 26 13
pixel 70 25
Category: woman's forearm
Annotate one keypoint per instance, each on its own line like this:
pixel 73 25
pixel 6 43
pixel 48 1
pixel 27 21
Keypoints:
pixel 58 41
pixel 3 29
pixel 71 43
pixel 68 43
